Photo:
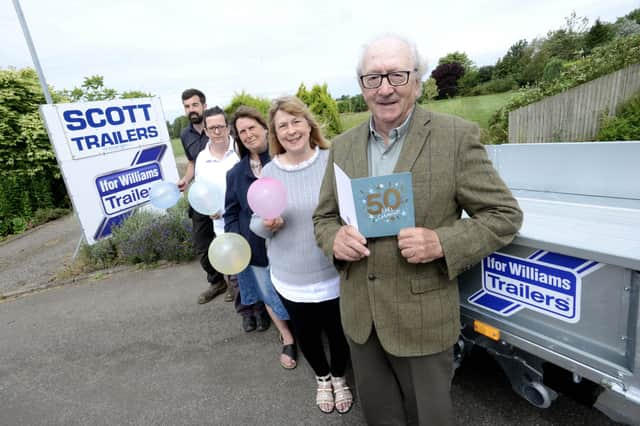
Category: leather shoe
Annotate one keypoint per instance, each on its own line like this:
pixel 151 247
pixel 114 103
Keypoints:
pixel 248 323
pixel 214 289
pixel 263 322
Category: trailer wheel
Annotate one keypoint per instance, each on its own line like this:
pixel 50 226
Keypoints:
pixel 537 394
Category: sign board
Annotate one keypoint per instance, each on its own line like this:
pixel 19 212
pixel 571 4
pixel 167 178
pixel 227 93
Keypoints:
pixel 545 282
pixel 110 153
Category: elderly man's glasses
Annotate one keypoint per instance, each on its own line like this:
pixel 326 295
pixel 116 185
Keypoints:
pixel 216 128
pixel 395 78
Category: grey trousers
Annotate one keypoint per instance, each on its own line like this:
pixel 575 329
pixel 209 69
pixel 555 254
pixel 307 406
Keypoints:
pixel 402 390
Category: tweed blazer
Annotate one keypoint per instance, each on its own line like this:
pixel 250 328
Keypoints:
pixel 415 307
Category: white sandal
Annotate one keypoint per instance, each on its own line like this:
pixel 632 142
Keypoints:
pixel 324 395
pixel 342 393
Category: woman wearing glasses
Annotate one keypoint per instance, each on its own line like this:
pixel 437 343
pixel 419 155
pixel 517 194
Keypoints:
pixel 305 279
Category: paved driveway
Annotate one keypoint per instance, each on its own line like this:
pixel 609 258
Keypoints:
pixel 134 348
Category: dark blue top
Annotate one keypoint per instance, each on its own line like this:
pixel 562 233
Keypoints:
pixel 192 142
pixel 237 213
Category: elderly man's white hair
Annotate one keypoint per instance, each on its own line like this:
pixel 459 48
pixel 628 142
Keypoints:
pixel 420 64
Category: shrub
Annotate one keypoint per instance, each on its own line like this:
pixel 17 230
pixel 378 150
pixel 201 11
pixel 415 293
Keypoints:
pixel 323 107
pixel 429 90
pixel 102 254
pixel 447 76
pixel 151 237
pixel 552 69
pixel 348 103
pixel 243 98
pixel 605 59
pixel 625 126
pixel 498 85
pixel 47 215
pixel 144 237
pixel 29 175
pixel 468 82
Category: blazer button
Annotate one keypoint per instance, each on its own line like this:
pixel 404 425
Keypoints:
pixel 371 277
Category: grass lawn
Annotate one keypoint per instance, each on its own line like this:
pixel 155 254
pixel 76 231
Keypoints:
pixel 178 151
pixel 472 108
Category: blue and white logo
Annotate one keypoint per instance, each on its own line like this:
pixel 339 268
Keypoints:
pixel 548 283
pixel 122 191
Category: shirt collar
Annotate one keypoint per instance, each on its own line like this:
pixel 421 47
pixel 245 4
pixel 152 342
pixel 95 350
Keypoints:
pixel 193 129
pixel 395 133
pixel 230 149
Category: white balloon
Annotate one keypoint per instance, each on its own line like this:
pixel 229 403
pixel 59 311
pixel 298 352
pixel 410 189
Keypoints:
pixel 205 197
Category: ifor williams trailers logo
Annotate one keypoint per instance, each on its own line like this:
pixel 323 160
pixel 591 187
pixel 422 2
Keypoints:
pixel 122 191
pixel 548 283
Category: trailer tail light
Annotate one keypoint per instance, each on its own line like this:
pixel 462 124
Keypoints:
pixel 486 330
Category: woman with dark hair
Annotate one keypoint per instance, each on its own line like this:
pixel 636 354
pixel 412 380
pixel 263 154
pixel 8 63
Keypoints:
pixel 254 282
pixel 305 279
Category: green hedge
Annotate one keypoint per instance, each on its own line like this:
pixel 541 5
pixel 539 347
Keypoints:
pixel 30 179
pixel 625 126
pixel 614 56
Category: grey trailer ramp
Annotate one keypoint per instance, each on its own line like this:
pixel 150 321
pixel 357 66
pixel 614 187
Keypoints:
pixel 563 298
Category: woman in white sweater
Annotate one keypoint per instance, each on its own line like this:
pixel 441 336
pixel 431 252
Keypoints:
pixel 305 279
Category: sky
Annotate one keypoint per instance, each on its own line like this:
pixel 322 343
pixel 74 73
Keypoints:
pixel 263 47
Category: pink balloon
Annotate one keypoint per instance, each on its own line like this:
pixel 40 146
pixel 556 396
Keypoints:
pixel 267 197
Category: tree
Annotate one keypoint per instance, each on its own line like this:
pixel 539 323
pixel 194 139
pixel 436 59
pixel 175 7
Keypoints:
pixel 92 89
pixel 469 80
pixel 625 27
pixel 344 104
pixel 29 175
pixel 178 124
pixel 457 57
pixel 634 15
pixel 358 103
pixel 552 69
pixel 446 77
pixel 600 33
pixel 429 90
pixel 485 73
pixel 303 94
pixel 618 54
pixel 132 94
pixel 348 103
pixel 243 98
pixel 514 61
pixel 323 107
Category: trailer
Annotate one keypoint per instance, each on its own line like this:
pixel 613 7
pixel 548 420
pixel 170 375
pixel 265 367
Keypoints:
pixel 558 308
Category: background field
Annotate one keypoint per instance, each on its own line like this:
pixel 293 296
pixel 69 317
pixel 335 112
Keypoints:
pixel 473 108
pixel 178 151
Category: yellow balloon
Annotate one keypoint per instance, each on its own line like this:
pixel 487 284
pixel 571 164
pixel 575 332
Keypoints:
pixel 229 253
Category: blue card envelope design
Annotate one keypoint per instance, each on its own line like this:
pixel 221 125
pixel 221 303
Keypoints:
pixel 377 206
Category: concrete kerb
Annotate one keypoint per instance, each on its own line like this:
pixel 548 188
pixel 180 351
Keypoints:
pixel 79 279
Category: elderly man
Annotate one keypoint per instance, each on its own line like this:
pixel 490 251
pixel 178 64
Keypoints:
pixel 399 295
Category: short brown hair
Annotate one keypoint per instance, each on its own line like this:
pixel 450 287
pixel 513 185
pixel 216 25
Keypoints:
pixel 294 106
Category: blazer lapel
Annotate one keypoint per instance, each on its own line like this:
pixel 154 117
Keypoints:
pixel 357 165
pixel 417 137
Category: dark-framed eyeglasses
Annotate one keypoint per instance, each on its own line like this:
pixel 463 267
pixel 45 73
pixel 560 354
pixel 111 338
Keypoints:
pixel 217 128
pixel 395 78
